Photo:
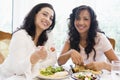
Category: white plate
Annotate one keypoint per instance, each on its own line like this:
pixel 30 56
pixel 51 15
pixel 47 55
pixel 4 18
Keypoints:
pixel 84 73
pixel 56 76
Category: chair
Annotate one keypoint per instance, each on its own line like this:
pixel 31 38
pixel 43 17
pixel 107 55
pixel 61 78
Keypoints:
pixel 1 58
pixel 4 44
pixel 112 41
pixel 5 35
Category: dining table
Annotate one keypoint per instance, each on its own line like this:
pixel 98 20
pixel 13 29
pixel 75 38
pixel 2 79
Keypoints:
pixel 106 75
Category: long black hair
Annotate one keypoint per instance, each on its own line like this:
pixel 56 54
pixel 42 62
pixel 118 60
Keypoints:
pixel 29 23
pixel 74 35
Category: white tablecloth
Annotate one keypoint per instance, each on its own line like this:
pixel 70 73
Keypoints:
pixel 105 76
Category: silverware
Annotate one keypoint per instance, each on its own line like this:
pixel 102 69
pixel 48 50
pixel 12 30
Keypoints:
pixel 73 71
pixel 118 74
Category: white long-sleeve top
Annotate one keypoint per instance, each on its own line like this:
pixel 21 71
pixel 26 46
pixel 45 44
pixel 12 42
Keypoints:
pixel 18 61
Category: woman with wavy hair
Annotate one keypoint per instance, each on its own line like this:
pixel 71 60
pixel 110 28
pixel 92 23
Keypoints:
pixel 86 44
pixel 28 45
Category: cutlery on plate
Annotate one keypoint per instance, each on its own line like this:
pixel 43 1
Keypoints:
pixel 73 71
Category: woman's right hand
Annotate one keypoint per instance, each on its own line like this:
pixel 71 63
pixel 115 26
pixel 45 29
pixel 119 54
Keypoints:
pixel 76 57
pixel 39 54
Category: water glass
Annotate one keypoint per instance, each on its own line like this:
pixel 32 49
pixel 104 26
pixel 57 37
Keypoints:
pixel 115 71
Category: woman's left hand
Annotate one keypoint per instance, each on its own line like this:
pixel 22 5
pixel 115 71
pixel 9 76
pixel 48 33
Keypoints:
pixel 97 66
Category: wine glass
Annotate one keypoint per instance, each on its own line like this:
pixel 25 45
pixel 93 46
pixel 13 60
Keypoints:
pixel 115 71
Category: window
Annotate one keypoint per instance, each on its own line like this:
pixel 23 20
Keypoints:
pixel 109 22
pixel 6 15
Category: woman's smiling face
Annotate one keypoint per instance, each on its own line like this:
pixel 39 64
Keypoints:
pixel 82 22
pixel 44 18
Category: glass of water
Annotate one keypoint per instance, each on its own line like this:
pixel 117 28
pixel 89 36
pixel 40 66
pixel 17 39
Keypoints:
pixel 115 71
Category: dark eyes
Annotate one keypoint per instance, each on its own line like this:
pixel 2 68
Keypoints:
pixel 46 15
pixel 51 18
pixel 81 19
pixel 86 19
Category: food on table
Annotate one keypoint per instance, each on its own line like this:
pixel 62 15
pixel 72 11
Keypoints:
pixel 61 74
pixel 53 72
pixel 84 76
pixel 79 68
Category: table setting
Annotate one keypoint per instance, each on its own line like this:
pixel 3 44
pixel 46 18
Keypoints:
pixel 101 75
pixel 69 75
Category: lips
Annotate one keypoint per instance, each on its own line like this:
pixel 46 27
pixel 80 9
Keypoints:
pixel 45 23
pixel 81 27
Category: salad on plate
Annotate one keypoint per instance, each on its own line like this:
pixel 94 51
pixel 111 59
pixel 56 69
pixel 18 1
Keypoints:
pixel 85 76
pixel 53 73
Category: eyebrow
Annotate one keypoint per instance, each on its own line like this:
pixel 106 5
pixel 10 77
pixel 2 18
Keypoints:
pixel 87 16
pixel 47 13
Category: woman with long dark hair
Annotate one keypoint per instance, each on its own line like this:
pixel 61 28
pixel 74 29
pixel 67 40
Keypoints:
pixel 86 44
pixel 29 47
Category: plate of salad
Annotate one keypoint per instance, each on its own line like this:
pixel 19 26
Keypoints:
pixel 85 75
pixel 53 73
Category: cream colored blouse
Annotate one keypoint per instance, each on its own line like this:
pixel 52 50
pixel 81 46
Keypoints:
pixel 102 45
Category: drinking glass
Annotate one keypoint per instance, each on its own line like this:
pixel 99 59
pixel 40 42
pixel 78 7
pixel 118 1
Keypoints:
pixel 115 71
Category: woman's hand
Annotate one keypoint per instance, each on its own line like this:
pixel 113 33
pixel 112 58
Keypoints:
pixel 39 54
pixel 97 66
pixel 76 57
